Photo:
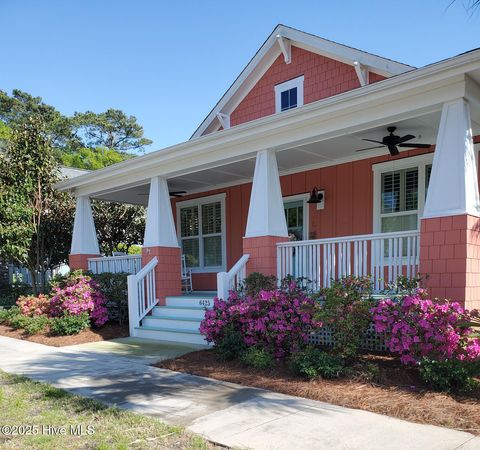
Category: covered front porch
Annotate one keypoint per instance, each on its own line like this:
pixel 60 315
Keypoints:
pixel 247 188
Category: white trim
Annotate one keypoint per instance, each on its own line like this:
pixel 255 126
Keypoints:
pixel 405 96
pixel 362 73
pixel 286 86
pixel 224 120
pixel 286 48
pixel 268 53
pixel 199 202
pixel 420 161
pixel 306 211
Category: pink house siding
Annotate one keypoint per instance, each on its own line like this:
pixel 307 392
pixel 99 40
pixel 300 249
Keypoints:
pixel 324 77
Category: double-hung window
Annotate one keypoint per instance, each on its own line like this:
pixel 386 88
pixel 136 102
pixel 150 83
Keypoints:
pixel 289 95
pixel 400 190
pixel 202 233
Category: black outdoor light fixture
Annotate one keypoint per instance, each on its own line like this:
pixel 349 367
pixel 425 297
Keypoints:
pixel 316 196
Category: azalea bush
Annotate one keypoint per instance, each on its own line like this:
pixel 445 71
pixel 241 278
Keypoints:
pixel 34 306
pixel 415 328
pixel 79 295
pixel 345 310
pixel 277 320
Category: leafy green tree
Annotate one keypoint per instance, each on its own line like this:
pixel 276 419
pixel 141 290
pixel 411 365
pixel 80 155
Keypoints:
pixel 112 129
pixel 35 219
pixel 92 158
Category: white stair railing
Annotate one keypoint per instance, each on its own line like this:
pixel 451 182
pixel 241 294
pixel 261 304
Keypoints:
pixel 141 295
pixel 226 281
pixel 383 256
pixel 115 264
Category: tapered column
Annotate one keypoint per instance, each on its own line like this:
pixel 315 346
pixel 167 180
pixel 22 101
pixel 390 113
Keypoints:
pixel 84 237
pixel 266 224
pixel 450 236
pixel 161 241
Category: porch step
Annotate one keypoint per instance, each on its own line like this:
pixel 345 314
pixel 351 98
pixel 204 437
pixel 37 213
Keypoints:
pixel 178 323
pixel 170 335
pixel 175 312
pixel 197 300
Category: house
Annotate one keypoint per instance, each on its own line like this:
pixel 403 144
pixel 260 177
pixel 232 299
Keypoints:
pixel 368 163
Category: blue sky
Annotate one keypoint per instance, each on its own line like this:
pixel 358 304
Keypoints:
pixel 168 63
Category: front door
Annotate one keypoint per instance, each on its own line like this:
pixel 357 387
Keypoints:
pixel 295 217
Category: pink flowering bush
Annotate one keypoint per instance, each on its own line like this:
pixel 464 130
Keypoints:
pixel 417 328
pixel 34 306
pixel 277 320
pixel 79 295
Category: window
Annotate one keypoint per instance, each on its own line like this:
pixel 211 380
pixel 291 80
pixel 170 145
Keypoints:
pixel 289 95
pixel 201 233
pixel 400 189
pixel 296 215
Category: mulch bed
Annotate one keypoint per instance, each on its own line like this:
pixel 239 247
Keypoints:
pixel 108 331
pixel 397 391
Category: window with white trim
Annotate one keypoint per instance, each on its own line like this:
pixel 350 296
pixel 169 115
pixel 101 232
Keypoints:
pixel 400 193
pixel 202 233
pixel 289 95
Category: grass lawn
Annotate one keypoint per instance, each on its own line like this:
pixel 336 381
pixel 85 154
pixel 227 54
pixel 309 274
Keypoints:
pixel 43 407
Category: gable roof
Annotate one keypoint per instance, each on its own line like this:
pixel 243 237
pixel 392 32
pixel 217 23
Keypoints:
pixel 269 52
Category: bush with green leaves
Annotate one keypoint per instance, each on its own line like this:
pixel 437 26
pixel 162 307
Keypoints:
pixel 69 324
pixel 449 375
pixel 114 287
pixel 231 346
pixel 345 310
pixel 7 314
pixel 18 321
pixel 256 282
pixel 314 363
pixel 258 358
pixel 36 324
pixel 10 293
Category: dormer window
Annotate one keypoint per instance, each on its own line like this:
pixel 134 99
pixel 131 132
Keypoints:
pixel 289 95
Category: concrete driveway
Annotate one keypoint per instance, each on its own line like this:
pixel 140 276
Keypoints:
pixel 118 372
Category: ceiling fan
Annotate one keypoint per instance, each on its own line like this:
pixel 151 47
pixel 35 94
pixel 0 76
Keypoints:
pixel 392 142
pixel 171 193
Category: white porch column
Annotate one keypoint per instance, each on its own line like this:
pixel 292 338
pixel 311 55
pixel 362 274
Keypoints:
pixel 266 216
pixel 450 237
pixel 161 240
pixel 453 187
pixel 266 224
pixel 160 226
pixel 84 238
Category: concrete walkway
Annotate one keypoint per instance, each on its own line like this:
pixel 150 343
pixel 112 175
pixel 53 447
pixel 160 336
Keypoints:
pixel 118 372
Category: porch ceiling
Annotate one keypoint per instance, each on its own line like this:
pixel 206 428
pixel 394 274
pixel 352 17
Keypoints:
pixel 310 155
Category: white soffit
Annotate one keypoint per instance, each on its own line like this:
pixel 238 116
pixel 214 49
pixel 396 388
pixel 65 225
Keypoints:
pixel 269 52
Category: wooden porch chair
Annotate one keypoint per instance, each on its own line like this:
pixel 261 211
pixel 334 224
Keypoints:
pixel 186 276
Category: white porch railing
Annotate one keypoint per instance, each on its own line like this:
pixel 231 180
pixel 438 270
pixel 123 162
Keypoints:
pixel 232 279
pixel 115 264
pixel 141 294
pixel 382 256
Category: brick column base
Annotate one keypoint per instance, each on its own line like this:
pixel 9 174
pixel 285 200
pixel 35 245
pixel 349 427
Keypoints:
pixel 263 253
pixel 168 273
pixel 450 256
pixel 79 262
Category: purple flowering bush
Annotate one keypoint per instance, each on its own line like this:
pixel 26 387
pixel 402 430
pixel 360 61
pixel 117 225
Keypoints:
pixel 416 328
pixel 80 295
pixel 277 320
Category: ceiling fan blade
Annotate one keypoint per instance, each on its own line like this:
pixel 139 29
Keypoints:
pixel 415 145
pixel 393 150
pixel 371 140
pixel 369 148
pixel 406 138
pixel 177 193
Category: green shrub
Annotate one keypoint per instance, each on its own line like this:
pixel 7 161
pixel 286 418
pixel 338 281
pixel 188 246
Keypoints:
pixel 257 282
pixel 450 375
pixel 313 363
pixel 36 324
pixel 257 357
pixel 7 314
pixel 346 312
pixel 18 321
pixel 231 346
pixel 69 324
pixel 10 293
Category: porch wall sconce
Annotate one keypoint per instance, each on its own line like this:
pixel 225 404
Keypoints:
pixel 317 197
